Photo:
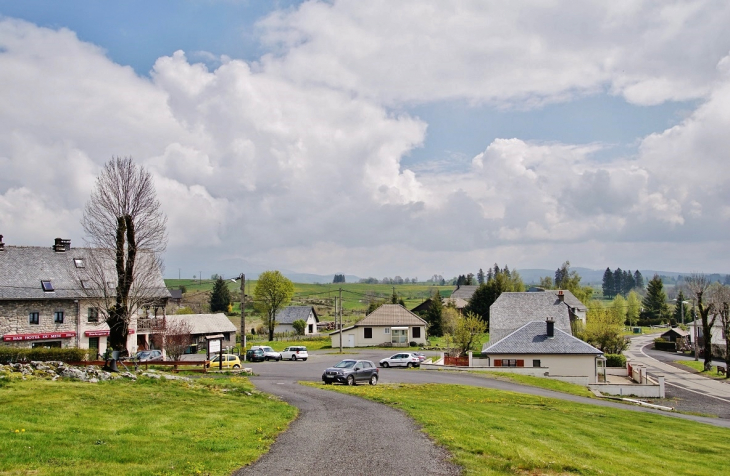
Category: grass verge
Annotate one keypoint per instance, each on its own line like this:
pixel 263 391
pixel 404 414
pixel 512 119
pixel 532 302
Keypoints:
pixel 546 383
pixel 159 427
pixel 699 366
pixel 496 432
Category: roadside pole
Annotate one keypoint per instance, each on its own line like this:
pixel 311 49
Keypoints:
pixel 341 336
pixel 243 316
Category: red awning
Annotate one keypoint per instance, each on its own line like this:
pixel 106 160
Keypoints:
pixel 45 335
pixel 96 333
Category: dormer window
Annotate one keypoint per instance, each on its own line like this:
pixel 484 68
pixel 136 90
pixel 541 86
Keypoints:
pixel 79 262
pixel 47 286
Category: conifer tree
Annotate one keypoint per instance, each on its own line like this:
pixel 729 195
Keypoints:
pixel 655 301
pixel 434 316
pixel 608 283
pixel 220 298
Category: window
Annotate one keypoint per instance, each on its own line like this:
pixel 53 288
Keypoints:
pixel 387 330
pixel 47 286
pixel 34 318
pixel 368 331
pixel 416 332
pixel 79 262
pixel 509 363
pixel 536 363
pixel 93 314
pixel 58 317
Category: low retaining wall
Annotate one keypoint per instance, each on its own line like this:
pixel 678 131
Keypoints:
pixel 654 389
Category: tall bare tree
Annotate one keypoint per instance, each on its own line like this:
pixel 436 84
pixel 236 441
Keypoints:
pixel 720 295
pixel 698 284
pixel 126 232
pixel 177 337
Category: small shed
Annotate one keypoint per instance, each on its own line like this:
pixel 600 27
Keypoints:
pixel 675 334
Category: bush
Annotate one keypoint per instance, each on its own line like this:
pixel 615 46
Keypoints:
pixel 615 360
pixel 413 343
pixel 661 344
pixel 22 354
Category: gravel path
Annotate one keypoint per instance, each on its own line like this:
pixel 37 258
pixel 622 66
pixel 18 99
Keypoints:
pixel 341 434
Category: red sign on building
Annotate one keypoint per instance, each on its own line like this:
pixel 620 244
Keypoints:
pixel 96 333
pixel 45 335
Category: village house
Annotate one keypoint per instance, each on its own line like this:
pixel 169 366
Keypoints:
pixel 44 301
pixel 204 325
pixel 285 319
pixel 388 325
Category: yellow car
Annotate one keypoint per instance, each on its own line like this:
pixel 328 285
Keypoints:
pixel 230 361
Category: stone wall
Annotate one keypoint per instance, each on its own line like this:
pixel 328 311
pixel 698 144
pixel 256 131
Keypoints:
pixel 14 319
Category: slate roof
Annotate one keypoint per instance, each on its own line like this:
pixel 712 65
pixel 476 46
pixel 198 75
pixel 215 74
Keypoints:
pixel 391 315
pixel 677 331
pixel 464 292
pixel 22 268
pixel 292 313
pixel 512 310
pixel 532 338
pixel 204 324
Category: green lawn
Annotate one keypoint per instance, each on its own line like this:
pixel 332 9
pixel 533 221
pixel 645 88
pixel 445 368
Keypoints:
pixel 127 428
pixel 546 383
pixel 496 432
pixel 699 365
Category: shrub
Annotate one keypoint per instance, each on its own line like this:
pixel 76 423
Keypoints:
pixel 661 344
pixel 413 343
pixel 615 360
pixel 22 354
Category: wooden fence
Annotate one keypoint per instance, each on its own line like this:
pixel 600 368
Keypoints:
pixel 457 361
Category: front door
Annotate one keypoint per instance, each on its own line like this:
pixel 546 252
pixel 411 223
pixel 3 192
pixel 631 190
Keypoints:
pixel 93 348
pixel 350 340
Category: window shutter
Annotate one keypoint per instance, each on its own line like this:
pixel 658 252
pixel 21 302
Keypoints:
pixel 520 363
pixel 498 363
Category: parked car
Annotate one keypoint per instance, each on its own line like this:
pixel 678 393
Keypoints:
pixel 420 356
pixel 149 356
pixel 295 352
pixel 351 372
pixel 269 353
pixel 255 355
pixel 229 361
pixel 405 359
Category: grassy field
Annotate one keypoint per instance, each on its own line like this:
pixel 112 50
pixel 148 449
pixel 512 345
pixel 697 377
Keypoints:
pixel 355 296
pixel 127 428
pixel 546 383
pixel 496 432
pixel 699 365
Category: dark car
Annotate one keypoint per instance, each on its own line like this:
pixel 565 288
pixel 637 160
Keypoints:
pixel 149 356
pixel 351 372
pixel 255 355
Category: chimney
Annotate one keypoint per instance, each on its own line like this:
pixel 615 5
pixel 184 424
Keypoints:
pixel 550 327
pixel 2 245
pixel 60 245
pixel 561 296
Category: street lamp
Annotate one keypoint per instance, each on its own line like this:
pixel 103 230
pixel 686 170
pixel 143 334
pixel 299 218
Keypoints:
pixel 681 307
pixel 242 278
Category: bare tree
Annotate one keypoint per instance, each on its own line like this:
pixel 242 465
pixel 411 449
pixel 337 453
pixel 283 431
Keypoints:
pixel 720 296
pixel 177 334
pixel 698 284
pixel 126 232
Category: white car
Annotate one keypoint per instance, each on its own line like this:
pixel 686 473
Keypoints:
pixel 405 359
pixel 269 353
pixel 295 352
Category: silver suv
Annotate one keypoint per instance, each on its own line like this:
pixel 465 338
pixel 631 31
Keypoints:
pixel 295 352
pixel 269 353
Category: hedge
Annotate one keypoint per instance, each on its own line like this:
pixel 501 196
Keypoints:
pixel 661 344
pixel 615 360
pixel 23 354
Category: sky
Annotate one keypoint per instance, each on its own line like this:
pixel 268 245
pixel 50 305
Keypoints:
pixel 378 138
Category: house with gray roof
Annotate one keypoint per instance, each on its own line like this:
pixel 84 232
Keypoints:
pixel 464 292
pixel 388 325
pixel 285 319
pixel 204 325
pixel 513 310
pixel 46 300
pixel 547 350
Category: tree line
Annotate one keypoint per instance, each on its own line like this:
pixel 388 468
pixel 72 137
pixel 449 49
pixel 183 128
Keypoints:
pixel 621 282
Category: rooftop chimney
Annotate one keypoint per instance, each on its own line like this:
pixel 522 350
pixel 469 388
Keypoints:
pixel 550 327
pixel 2 245
pixel 60 245
pixel 561 296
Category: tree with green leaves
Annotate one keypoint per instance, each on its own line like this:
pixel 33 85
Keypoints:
pixel 569 279
pixel 480 276
pixel 638 280
pixel 434 316
pixel 608 287
pixel 468 332
pixel 299 326
pixel 633 308
pixel 618 309
pixel 604 329
pixel 698 284
pixel 682 306
pixel 486 294
pixel 273 291
pixel 220 298
pixel 655 301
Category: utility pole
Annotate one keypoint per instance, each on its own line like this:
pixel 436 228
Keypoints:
pixel 340 320
pixel 243 316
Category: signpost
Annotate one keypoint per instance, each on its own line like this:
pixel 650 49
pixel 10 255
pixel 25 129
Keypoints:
pixel 215 345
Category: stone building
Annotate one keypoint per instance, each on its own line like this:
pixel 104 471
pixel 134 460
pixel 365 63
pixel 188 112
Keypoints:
pixel 44 303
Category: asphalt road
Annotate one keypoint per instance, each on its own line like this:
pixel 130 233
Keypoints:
pixel 341 434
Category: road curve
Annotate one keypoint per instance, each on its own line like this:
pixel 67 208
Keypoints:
pixel 341 434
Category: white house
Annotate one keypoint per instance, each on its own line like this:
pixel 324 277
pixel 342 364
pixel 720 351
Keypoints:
pixel 285 319
pixel 549 351
pixel 389 325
